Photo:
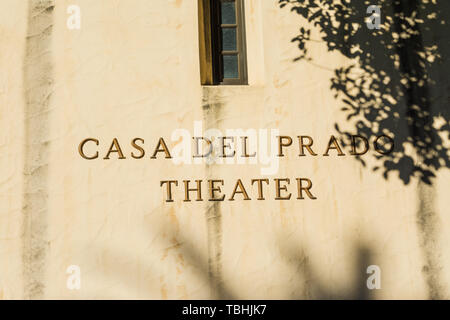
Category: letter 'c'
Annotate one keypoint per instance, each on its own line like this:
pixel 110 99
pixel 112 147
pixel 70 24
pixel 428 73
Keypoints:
pixel 81 146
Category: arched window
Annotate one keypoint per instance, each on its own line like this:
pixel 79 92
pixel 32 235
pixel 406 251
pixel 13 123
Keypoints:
pixel 223 58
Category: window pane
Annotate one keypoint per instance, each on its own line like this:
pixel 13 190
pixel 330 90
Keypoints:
pixel 229 39
pixel 228 12
pixel 230 66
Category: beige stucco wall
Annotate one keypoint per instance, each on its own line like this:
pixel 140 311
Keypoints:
pixel 132 70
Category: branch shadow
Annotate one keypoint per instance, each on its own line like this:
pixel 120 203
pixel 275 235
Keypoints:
pixel 313 287
pixel 174 242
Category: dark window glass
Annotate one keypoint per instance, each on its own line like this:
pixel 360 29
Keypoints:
pixel 229 40
pixel 230 67
pixel 228 12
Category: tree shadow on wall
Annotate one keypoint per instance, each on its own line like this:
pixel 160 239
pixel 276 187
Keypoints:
pixel 397 83
pixel 179 252
pixel 313 286
pixel 305 281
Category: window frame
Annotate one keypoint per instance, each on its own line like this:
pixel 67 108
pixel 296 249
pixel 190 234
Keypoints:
pixel 211 43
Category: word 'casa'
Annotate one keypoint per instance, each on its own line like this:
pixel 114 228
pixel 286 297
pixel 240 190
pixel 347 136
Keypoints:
pixel 281 188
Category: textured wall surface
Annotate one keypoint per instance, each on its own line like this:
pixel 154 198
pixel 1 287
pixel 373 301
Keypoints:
pixel 132 70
